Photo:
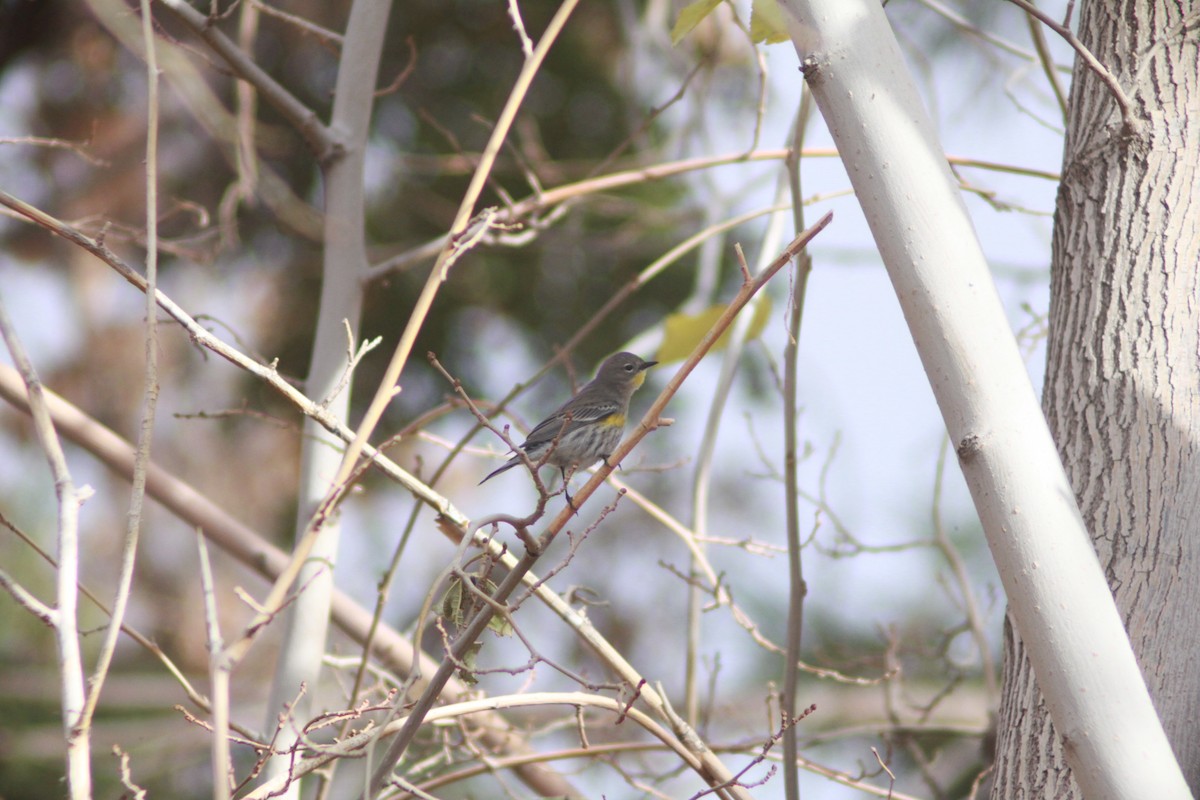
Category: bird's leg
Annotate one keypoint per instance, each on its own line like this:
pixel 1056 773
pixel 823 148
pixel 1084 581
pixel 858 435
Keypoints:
pixel 567 489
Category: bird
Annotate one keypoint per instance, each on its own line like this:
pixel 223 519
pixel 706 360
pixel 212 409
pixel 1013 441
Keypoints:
pixel 588 427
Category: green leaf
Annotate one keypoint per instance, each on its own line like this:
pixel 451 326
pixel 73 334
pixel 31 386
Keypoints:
pixel 452 608
pixel 500 625
pixel 767 24
pixel 689 17
pixel 456 606
pixel 682 332
pixel 466 666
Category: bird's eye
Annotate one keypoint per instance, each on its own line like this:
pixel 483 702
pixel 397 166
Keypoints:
pixel 629 367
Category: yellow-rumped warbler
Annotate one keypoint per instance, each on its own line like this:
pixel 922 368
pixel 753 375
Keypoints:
pixel 587 427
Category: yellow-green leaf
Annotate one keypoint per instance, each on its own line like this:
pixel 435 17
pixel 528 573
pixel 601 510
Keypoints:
pixel 682 332
pixel 452 604
pixel 466 665
pixel 767 24
pixel 500 625
pixel 689 17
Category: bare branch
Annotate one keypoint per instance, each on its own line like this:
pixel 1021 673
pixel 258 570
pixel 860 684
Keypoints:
pixel 1047 62
pixel 204 337
pixel 479 623
pixel 617 180
pixel 62 144
pixel 1132 125
pixel 258 554
pixel 63 617
pixel 149 385
pixel 26 599
pixel 219 675
pixel 323 142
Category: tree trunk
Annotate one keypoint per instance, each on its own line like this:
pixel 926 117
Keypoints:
pixel 1122 390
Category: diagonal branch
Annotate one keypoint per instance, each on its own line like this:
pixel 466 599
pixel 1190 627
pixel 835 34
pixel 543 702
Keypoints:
pixel 133 523
pixel 541 201
pixel 205 338
pixel 255 552
pixel 714 770
pixel 320 138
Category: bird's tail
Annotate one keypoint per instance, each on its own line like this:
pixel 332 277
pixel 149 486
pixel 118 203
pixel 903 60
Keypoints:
pixel 507 465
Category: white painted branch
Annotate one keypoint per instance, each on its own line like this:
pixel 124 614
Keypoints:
pixel 1057 593
pixel 64 618
pixel 345 263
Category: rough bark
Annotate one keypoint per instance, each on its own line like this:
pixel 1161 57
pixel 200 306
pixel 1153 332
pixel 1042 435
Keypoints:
pixel 1122 389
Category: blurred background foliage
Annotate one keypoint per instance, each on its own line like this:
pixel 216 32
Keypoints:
pixel 251 266
pixel 64 76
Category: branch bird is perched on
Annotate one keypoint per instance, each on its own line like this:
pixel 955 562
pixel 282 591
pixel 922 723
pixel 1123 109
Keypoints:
pixel 588 427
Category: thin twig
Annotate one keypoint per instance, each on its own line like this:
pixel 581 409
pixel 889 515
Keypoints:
pixel 891 775
pixel 323 35
pixel 702 473
pixel 797 588
pixel 514 13
pixel 323 142
pixel 479 623
pixel 246 153
pixel 353 357
pixel 265 372
pixel 219 675
pixel 595 749
pixel 26 599
pixel 259 555
pixel 966 26
pixel 137 494
pixel 453 245
pixel 199 700
pixel 1047 62
pixel 975 620
pixel 617 180
pixel 387 387
pixel 354 745
pixel 1132 125
pixel 135 792
pixel 63 144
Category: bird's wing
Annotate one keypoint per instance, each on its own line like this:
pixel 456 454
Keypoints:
pixel 557 425
pixel 594 411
